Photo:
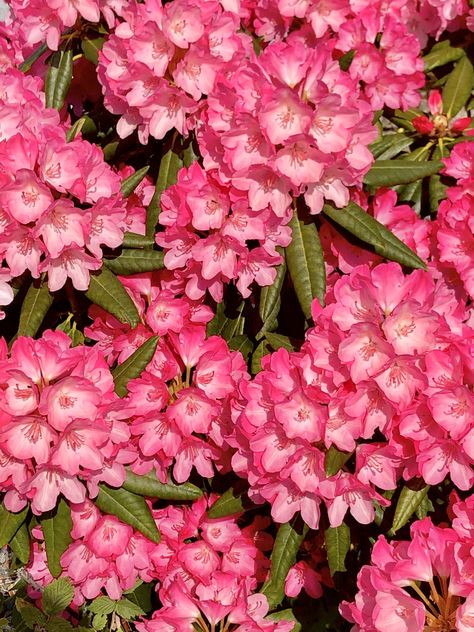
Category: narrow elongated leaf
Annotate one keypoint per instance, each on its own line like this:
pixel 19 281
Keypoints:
pixel 278 340
pixel 106 291
pixel 386 173
pixel 458 87
pixel 135 260
pixel 58 78
pixel 20 544
pixel 335 460
pixel 148 485
pixel 35 306
pixel 170 164
pixel 241 343
pixel 10 523
pixel 128 507
pixel 57 596
pixel 130 184
pixel 134 240
pixel 338 541
pixel 134 365
pixel 362 225
pixel 233 501
pixel 56 526
pixel 227 324
pixel 408 502
pixel 390 146
pixel 305 261
pixel 285 548
pixel 35 55
pixel 256 361
pixel 91 48
pixel 270 301
pixel 441 56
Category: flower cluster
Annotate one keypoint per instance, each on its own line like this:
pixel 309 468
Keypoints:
pixel 389 353
pixel 424 583
pixel 55 437
pixel 59 202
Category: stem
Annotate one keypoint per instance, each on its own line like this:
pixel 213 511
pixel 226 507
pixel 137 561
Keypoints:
pixel 188 376
pixel 425 599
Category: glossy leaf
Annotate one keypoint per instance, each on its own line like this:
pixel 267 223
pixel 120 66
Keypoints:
pixel 231 502
pixel 35 306
pixel 91 48
pixel 408 502
pixel 338 541
pixel 148 485
pixel 385 173
pixel 360 224
pixel 56 526
pixel 35 55
pixel 106 291
pixel 278 340
pixel 285 549
pixel 58 78
pixel 134 261
pixel 130 184
pixel 241 343
pixel 128 507
pixel 305 261
pixel 270 301
pixel 134 366
pixel 134 240
pixel 458 87
pixel 10 522
pixel 227 323
pixel 441 55
pixel 170 164
pixel 335 460
pixel 390 146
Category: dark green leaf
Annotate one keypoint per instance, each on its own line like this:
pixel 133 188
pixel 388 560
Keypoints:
pixel 441 56
pixel 278 340
pixel 270 301
pixel 170 164
pixel 10 523
pixel 31 615
pixel 35 306
pixel 128 507
pixel 335 460
pixel 58 78
pixel 233 501
pixel 362 225
pixel 134 261
pixel 141 595
pixel 227 325
pixel 410 192
pixel 149 485
pixel 390 146
pixel 285 549
pixel 20 544
pixel 106 291
pixel 338 541
pixel 134 366
pixel 91 48
pixel 76 336
pixel 408 502
pixel 305 261
pixel 58 624
pixel 386 173
pixel 56 526
pixel 134 240
pixel 57 596
pixel 35 55
pixel 130 184
pixel 458 87
pixel 243 344
pixel 257 355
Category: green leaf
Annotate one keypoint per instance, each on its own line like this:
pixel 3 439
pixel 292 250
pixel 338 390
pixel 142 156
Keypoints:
pixel 102 605
pixel 58 78
pixel 285 549
pixel 149 485
pixel 285 615
pixel 305 261
pixel 170 164
pixel 91 48
pixel 385 173
pixel 338 541
pixel 335 460
pixel 10 522
pixel 227 323
pixel 408 502
pixel 278 340
pixel 362 225
pixel 57 596
pixel 56 526
pixel 31 615
pixel 243 344
pixel 134 240
pixel 75 129
pixel 35 306
pixel 35 55
pixel 58 624
pixel 20 544
pixel 390 146
pixel 424 508
pixel 142 595
pixel 106 291
pixel 99 621
pixel 257 355
pixel 458 87
pixel 127 609
pixel 128 507
pixel 76 336
pixel 130 184
pixel 233 501
pixel 134 366
pixel 133 261
pixel 441 56
pixel 270 301
pixel 410 192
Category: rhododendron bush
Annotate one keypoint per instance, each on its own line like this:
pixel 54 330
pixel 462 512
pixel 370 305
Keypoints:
pixel 236 316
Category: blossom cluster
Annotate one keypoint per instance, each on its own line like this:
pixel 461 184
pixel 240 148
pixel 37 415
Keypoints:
pixel 423 583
